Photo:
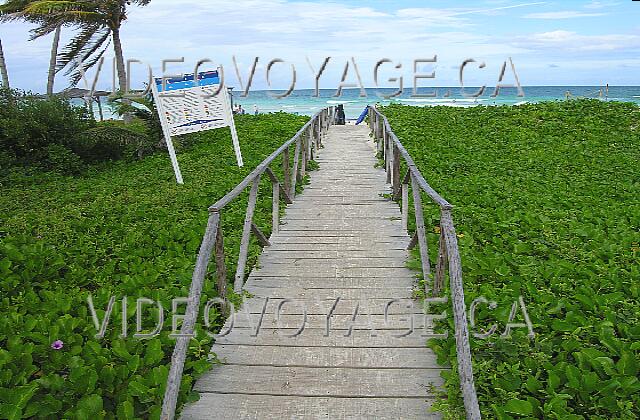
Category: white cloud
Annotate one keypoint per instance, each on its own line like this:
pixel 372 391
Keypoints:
pixel 572 41
pixel 600 4
pixel 566 14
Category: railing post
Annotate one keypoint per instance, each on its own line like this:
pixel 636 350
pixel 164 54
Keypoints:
pixel 294 174
pixel 463 349
pixel 388 154
pixel 395 172
pixel 246 236
pixel 182 341
pixel 310 144
pixel 441 266
pixel 420 231
pixel 221 267
pixel 275 208
pixel 285 170
pixel 303 161
pixel 405 200
pixel 380 133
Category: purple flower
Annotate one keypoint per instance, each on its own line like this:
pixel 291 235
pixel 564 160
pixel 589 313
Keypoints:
pixel 57 345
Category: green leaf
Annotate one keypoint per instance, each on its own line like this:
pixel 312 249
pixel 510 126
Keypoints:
pixel 91 404
pixel 136 389
pixel 125 411
pixel 573 376
pixel 520 407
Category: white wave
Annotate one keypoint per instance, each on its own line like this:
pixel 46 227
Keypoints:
pixel 443 100
pixel 330 101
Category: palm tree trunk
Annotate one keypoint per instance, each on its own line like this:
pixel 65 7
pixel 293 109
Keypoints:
pixel 52 61
pixel 3 69
pixel 122 75
pixel 117 49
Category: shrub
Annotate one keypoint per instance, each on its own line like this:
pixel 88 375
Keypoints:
pixel 63 160
pixel 29 125
pixel 107 143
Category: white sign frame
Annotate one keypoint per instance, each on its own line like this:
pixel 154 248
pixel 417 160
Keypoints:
pixel 194 109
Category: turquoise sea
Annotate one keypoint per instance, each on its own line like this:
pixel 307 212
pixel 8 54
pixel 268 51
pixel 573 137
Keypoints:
pixel 305 103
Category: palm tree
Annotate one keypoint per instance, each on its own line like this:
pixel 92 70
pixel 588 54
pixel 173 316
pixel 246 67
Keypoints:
pixel 24 10
pixel 3 69
pixel 99 22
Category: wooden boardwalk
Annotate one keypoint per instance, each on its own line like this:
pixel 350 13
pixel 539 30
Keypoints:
pixel 341 245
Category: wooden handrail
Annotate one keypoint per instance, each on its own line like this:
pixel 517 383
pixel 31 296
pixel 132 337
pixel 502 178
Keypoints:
pixel 448 253
pixel 212 242
pixel 229 197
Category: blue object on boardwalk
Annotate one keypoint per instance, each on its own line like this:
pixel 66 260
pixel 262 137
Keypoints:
pixel 362 116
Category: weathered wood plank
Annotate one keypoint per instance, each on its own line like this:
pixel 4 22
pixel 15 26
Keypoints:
pixel 275 251
pixel 326 306
pixel 316 337
pixel 335 272
pixel 242 406
pixel 385 293
pixel 364 357
pixel 336 382
pixel 345 262
pixel 411 323
pixel 331 282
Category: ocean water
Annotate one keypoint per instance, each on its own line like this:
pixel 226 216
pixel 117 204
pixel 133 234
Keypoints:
pixel 304 102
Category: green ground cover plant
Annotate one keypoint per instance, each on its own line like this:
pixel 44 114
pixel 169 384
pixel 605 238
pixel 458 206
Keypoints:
pixel 547 207
pixel 121 228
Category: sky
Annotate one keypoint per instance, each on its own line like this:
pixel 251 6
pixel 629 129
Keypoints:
pixel 549 42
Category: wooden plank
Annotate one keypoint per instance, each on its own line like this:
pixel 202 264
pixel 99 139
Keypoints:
pixel 369 272
pixel 326 306
pixel 313 263
pixel 276 251
pixel 410 323
pixel 316 337
pixel 302 381
pixel 242 406
pixel 331 283
pixel 386 293
pixel 341 240
pixel 364 357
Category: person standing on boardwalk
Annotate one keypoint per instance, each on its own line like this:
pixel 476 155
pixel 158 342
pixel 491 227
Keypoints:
pixel 255 109
pixel 340 117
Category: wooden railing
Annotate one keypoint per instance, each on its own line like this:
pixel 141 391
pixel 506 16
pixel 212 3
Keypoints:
pixel 306 143
pixel 393 151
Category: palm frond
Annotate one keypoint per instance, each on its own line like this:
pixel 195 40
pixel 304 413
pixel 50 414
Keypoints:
pixel 83 46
